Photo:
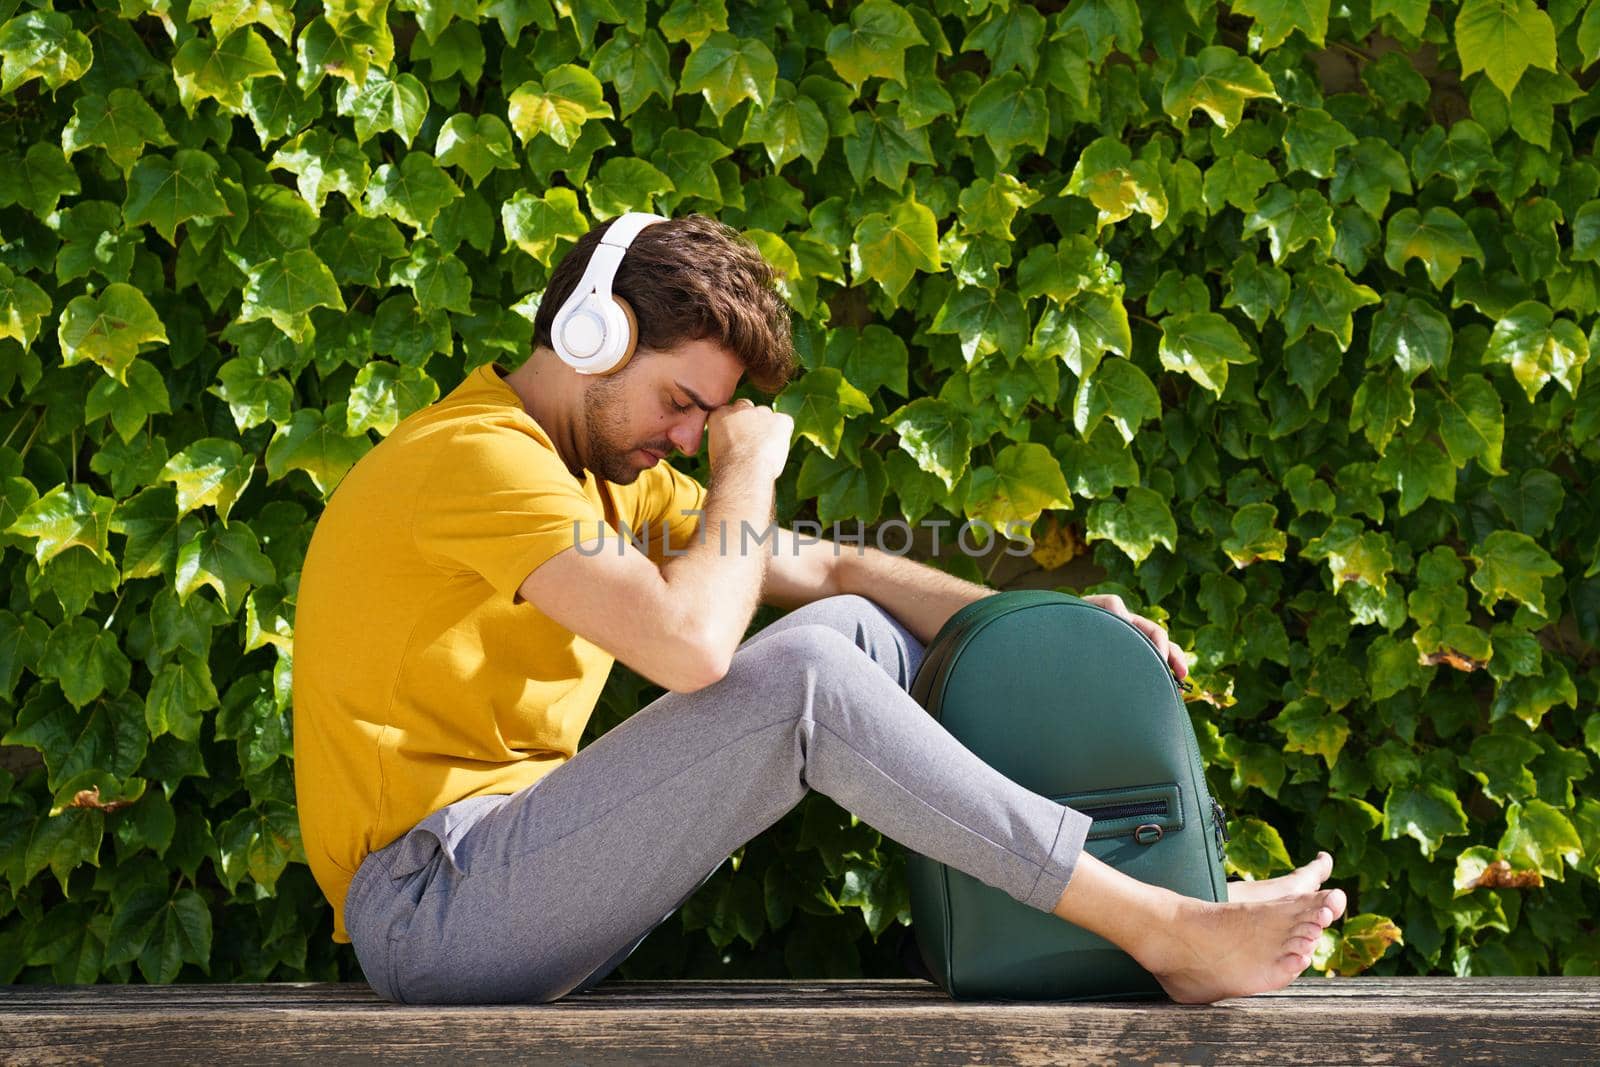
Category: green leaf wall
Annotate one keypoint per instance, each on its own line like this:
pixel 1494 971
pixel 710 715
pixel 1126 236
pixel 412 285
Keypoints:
pixel 1279 311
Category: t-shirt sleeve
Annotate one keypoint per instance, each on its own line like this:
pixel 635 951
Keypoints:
pixel 669 502
pixel 499 502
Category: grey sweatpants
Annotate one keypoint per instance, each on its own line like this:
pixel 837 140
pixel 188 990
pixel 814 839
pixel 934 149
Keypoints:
pixel 536 894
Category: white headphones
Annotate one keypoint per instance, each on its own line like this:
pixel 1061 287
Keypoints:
pixel 595 331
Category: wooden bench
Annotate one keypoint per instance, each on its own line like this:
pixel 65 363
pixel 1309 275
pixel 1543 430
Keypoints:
pixel 1320 1021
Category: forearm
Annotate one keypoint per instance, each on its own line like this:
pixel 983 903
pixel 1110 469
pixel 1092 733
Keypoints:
pixel 920 596
pixel 720 574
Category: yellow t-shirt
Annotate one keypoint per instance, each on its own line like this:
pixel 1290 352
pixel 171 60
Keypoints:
pixel 420 678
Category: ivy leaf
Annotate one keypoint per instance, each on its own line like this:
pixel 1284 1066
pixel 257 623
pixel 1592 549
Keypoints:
pixel 1063 270
pixel 870 358
pixel 985 321
pixel 844 489
pixel 130 404
pixel 537 225
pixel 476 146
pixel 260 843
pixel 1082 330
pixel 252 393
pixel 1311 139
pixel 1362 940
pixel 1463 155
pixel 1218 81
pixel 67 515
pixel 1254 537
pixel 891 247
pixel 321 165
pixel 155 531
pixel 1258 289
pixel 1324 296
pixel 1512 565
pixel 348 50
pixel 382 103
pixel 226 558
pixel 209 68
pixel 1353 554
pixel 357 250
pixel 935 434
pixel 413 191
pixel 1275 20
pixel 1135 524
pixel 820 402
pixel 638 66
pixel 1503 38
pixel 284 290
pixel 314 441
pixel 625 184
pixel 882 147
pixel 1024 480
pixel 1531 502
pixel 557 106
pixel 383 394
pixel 687 159
pixel 1117 390
pixel 211 471
pixel 1539 837
pixel 1419 469
pixel 120 122
pixel 1006 112
pixel 1292 220
pixel 22 305
pixel 1367 174
pixel 165 192
pixel 874 44
pixel 179 692
pixel 436 278
pixel 790 126
pixel 1412 333
pixel 1308 726
pixel 989 207
pixel 1426 812
pixel 1472 422
pixel 1201 344
pixel 108 329
pixel 1010 38
pixel 1538 347
pixel 162 930
pixel 1383 402
pixel 42 44
pixel 727 70
pixel 1439 238
pixel 1254 849
pixel 86 660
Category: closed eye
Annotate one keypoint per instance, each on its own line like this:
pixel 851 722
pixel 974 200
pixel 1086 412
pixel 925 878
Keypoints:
pixel 680 408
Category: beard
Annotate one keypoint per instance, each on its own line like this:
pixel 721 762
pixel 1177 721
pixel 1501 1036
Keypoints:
pixel 605 425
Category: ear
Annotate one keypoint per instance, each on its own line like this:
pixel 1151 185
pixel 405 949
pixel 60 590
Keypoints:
pixel 633 333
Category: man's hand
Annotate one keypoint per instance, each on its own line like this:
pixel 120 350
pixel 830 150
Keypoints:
pixel 1153 632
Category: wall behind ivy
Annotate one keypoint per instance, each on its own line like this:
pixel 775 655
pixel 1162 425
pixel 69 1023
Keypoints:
pixel 1275 314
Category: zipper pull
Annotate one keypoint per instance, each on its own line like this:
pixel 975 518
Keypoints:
pixel 1219 820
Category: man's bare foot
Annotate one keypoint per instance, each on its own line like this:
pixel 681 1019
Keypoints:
pixel 1215 951
pixel 1300 881
pixel 1198 950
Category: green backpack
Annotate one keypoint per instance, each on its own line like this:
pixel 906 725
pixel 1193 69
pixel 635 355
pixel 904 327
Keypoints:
pixel 1074 703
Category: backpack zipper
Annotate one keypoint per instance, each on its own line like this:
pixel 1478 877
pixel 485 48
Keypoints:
pixel 1219 824
pixel 1125 811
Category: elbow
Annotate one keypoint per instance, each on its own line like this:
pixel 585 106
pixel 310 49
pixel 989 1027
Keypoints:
pixel 704 662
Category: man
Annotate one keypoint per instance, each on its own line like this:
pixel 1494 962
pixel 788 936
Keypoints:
pixel 469 585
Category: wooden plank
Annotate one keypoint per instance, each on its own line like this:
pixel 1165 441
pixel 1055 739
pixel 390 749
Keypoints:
pixel 1374 1020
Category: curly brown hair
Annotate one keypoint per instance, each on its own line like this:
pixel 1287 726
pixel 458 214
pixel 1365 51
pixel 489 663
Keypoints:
pixel 687 279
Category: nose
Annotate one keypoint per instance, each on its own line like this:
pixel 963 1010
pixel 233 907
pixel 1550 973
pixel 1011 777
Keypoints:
pixel 686 435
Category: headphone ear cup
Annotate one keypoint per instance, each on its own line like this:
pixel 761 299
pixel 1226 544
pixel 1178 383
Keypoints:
pixel 627 337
